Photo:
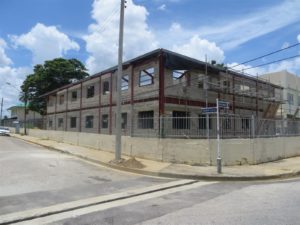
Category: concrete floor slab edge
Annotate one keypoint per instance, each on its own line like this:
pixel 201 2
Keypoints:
pixel 221 177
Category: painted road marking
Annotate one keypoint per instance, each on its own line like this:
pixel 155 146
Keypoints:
pixel 45 211
pixel 104 206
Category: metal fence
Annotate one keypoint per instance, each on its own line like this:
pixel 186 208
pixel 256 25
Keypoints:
pixel 231 126
pixel 32 123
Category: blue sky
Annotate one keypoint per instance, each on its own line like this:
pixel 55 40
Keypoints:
pixel 229 31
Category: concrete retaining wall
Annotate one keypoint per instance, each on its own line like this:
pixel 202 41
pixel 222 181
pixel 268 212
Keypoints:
pixel 189 151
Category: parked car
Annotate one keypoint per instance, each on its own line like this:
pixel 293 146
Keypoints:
pixel 4 131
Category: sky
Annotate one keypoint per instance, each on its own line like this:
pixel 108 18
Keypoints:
pixel 228 31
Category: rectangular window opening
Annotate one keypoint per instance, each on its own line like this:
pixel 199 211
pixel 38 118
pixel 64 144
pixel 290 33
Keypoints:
pixel 146 77
pixel 290 98
pixel 105 89
pixel 146 120
pixel 226 124
pixel 104 121
pixel 61 99
pixel 245 124
pixel 60 122
pixel 74 96
pixel 124 121
pixel 73 121
pixel 90 91
pixel 202 122
pixel 125 82
pixel 89 121
pixel 181 120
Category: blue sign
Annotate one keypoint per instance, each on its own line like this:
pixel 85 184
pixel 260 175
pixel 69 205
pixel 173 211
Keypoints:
pixel 209 110
pixel 224 104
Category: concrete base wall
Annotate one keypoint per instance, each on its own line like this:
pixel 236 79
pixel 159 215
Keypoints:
pixel 189 151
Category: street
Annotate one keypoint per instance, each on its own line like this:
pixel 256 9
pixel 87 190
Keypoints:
pixel 41 186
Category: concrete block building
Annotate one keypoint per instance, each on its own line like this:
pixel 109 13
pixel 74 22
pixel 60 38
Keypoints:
pixel 17 114
pixel 162 91
pixel 291 92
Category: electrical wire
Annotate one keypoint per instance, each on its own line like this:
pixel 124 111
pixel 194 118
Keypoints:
pixel 268 54
pixel 279 60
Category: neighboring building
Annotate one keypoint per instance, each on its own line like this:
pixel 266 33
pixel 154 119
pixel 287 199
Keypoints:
pixel 160 84
pixel 291 92
pixel 17 113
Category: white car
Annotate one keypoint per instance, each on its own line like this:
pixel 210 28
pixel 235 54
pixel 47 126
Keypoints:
pixel 4 131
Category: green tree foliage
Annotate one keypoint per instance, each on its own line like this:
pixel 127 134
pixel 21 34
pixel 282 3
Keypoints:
pixel 48 77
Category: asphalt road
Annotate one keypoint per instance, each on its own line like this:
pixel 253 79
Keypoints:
pixel 33 177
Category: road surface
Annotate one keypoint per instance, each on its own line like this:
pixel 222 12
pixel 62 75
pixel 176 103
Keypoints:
pixel 36 180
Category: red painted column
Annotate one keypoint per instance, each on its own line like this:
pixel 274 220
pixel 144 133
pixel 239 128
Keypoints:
pixel 161 84
pixel 161 96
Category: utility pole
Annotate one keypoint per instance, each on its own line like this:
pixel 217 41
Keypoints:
pixel 219 160
pixel 206 98
pixel 1 112
pixel 25 115
pixel 118 146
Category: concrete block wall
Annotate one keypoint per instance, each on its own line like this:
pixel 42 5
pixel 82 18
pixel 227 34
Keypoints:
pixel 73 104
pixel 189 151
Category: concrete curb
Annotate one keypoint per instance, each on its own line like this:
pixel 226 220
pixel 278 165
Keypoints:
pixel 32 214
pixel 222 177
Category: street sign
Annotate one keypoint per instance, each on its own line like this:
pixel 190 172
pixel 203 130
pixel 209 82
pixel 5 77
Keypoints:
pixel 209 110
pixel 223 104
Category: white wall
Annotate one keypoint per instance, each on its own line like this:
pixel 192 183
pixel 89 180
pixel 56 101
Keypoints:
pixel 189 151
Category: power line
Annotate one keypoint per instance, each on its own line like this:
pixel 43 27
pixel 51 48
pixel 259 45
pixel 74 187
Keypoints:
pixel 271 53
pixel 108 19
pixel 264 64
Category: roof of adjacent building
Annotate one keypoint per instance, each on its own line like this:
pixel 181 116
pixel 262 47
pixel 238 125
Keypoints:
pixel 20 105
pixel 173 61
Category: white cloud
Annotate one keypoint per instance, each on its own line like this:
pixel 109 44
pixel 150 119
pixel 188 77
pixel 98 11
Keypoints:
pixel 14 76
pixel 45 42
pixel 285 45
pixel 199 48
pixel 4 59
pixel 298 37
pixel 102 40
pixel 8 74
pixel 234 33
pixel 175 27
pixel 162 7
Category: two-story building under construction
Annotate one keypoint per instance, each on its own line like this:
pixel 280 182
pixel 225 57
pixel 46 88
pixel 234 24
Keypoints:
pixel 162 91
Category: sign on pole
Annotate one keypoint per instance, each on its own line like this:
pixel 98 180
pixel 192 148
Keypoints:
pixel 209 110
pixel 223 104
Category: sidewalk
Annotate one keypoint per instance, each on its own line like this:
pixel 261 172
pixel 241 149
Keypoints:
pixel 279 169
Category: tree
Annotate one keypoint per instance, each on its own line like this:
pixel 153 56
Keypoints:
pixel 48 77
